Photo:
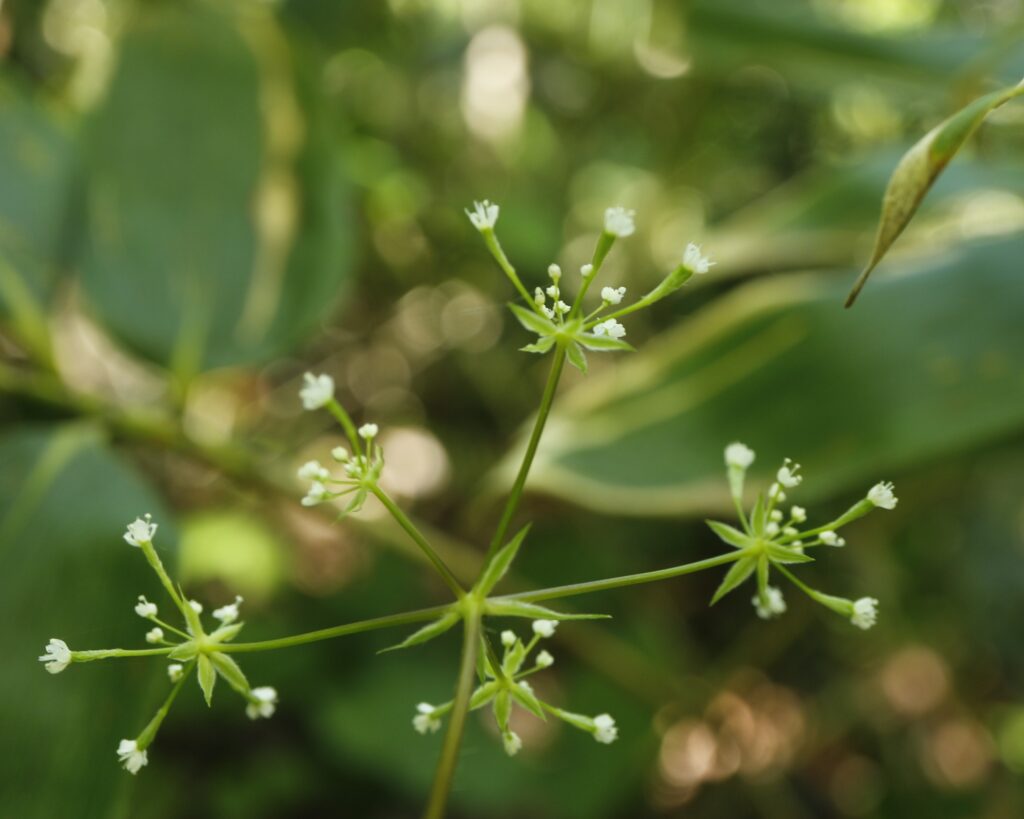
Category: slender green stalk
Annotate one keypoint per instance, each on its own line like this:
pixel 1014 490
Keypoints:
pixel 460 708
pixel 419 540
pixel 109 653
pixel 343 418
pixel 494 246
pixel 149 732
pixel 531 450
pixel 573 589
pixel 157 565
pixel 403 619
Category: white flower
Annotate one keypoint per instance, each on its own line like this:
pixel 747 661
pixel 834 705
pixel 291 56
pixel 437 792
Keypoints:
pixel 144 608
pixel 775 491
pixel 547 311
pixel 508 638
pixel 771 529
pixel 619 222
pixel 263 703
pixel 174 672
pixel 544 659
pixel 140 530
pixel 317 494
pixel 484 215
pixel 368 431
pixel 787 474
pixel 131 757
pixel 587 270
pixel 196 606
pixel 610 328
pixel 881 495
pixel 790 531
pixel 555 272
pixel 613 295
pixel 865 612
pixel 512 742
pixel 229 613
pixel 312 470
pixel 538 296
pixel 426 720
pixel 695 261
pixel 774 605
pixel 739 455
pixel 775 516
pixel 562 307
pixel 57 656
pixel 317 392
pixel 830 538
pixel 340 454
pixel 544 628
pixel 605 729
pixel 155 635
pixel 798 514
pixel 552 291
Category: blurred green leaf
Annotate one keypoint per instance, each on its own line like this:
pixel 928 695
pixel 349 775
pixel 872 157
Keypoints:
pixel 918 170
pixel 35 169
pixel 928 365
pixel 64 502
pixel 217 224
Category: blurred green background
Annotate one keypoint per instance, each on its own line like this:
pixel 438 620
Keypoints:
pixel 200 200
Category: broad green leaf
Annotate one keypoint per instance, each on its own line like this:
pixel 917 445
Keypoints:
pixel 207 676
pixel 428 632
pixel 731 535
pixel 35 166
pixel 506 607
pixel 499 564
pixel 918 170
pixel 737 574
pixel 927 365
pixel 543 345
pixel 532 321
pixel 216 221
pixel 64 501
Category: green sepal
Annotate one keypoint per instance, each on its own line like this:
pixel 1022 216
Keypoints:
pixel 225 634
pixel 576 356
pixel 786 555
pixel 498 565
pixel 526 699
pixel 732 536
pixel 542 345
pixel 533 321
pixel 483 695
pixel 184 652
pixel 230 671
pixel 498 607
pixel 759 515
pixel 428 632
pixel 599 343
pixel 502 709
pixel 207 677
pixel 513 660
pixel 740 571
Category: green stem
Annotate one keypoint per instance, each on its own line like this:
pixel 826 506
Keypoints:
pixel 419 540
pixel 403 619
pixel 460 708
pixel 343 418
pixel 625 580
pixel 108 653
pixel 149 732
pixel 169 627
pixel 531 450
pixel 491 240
pixel 155 563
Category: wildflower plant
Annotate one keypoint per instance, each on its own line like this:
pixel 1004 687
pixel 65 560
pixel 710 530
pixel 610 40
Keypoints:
pixel 493 675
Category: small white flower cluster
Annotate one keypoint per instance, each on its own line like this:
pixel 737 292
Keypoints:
pixel 141 530
pixel 361 470
pixel 262 702
pixel 559 309
pixel 695 261
pixel 619 222
pixel 484 215
pixel 229 613
pixel 771 537
pixel 317 391
pixel 131 755
pixel 508 684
